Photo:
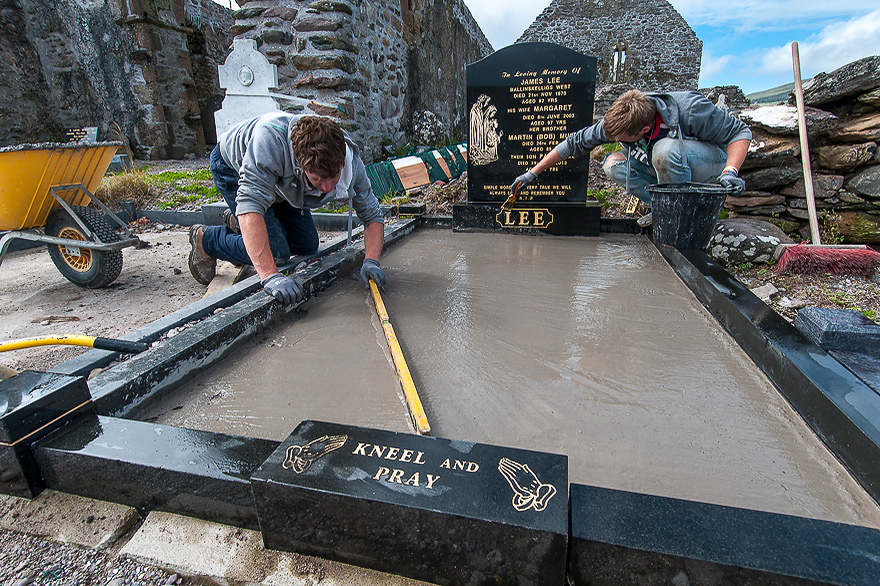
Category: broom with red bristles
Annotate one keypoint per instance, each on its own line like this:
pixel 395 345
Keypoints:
pixel 838 259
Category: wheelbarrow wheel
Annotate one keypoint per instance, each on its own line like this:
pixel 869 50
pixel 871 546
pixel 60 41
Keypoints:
pixel 91 269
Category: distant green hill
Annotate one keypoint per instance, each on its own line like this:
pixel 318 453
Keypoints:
pixel 773 95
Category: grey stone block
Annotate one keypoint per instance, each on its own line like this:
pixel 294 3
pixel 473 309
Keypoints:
pixel 840 330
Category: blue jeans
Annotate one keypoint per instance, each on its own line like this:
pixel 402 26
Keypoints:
pixel 291 230
pixel 703 164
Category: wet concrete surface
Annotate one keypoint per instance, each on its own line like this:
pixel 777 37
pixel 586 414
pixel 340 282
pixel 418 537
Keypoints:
pixel 590 347
pixel 330 363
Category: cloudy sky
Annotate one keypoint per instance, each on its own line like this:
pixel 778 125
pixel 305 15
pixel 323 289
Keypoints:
pixel 745 43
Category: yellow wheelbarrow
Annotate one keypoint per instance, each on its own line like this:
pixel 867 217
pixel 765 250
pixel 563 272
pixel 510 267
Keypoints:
pixel 44 191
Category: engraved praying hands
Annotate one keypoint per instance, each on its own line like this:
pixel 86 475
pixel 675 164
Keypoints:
pixel 528 491
pixel 301 457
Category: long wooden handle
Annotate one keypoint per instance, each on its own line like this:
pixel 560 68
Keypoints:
pixel 805 148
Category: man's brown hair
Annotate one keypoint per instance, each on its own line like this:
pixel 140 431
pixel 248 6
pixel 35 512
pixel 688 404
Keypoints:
pixel 318 146
pixel 629 114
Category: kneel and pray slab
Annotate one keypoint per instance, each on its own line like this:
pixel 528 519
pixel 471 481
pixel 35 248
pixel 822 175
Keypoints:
pixel 446 511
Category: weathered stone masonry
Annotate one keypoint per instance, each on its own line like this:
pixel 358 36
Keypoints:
pixel 644 44
pixel 148 66
pixel 843 124
pixel 378 64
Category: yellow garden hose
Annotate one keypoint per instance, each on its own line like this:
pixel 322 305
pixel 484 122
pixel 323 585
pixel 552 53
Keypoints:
pixel 99 343
pixel 413 403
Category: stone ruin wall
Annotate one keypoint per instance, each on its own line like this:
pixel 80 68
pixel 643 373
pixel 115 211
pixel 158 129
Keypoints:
pixel 843 127
pixel 146 66
pixel 375 65
pixel 388 69
pixel 643 44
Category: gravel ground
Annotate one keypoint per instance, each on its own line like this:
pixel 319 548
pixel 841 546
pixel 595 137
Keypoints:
pixel 27 560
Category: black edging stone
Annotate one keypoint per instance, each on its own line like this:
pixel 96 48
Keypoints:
pixel 619 226
pixel 82 365
pixel 631 539
pixel 32 405
pixel 149 466
pixel 839 407
pixel 122 388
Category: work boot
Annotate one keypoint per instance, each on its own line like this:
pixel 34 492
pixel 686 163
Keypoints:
pixel 230 221
pixel 645 221
pixel 202 266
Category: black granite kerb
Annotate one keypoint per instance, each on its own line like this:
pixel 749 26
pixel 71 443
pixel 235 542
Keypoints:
pixel 840 408
pixel 84 364
pixel 631 539
pixel 148 466
pixel 33 404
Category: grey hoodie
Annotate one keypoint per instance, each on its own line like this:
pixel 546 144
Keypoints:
pixel 689 116
pixel 259 149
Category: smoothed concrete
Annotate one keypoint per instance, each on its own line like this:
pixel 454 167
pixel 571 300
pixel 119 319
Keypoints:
pixel 230 555
pixel 67 518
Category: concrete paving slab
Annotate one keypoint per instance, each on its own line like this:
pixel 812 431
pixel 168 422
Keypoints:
pixel 230 555
pixel 67 518
pixel 227 275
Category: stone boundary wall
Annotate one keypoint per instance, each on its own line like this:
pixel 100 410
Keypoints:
pixel 375 66
pixel 640 43
pixel 843 126
pixel 144 66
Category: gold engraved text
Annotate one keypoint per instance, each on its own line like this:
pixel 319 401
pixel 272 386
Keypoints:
pixel 462 465
pixel 524 218
pixel 389 453
pixel 396 476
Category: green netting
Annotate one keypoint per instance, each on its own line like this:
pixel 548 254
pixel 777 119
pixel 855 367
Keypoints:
pixel 454 160
pixel 456 152
pixel 383 177
pixel 435 170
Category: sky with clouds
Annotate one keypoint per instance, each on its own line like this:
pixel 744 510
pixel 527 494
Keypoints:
pixel 745 43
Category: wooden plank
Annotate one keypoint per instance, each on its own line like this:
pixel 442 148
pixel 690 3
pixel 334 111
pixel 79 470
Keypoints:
pixel 412 172
pixel 443 164
pixel 227 275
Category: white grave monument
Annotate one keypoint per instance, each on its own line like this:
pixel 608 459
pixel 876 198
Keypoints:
pixel 247 77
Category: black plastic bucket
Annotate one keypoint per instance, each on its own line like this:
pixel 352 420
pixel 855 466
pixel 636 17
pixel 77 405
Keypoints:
pixel 684 214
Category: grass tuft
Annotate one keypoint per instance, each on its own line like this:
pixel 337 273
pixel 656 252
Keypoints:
pixel 127 186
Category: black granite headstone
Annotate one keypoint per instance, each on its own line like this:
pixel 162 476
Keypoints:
pixel 522 101
pixel 445 511
pixel 33 404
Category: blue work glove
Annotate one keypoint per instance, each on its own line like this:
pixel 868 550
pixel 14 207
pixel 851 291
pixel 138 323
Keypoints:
pixel 371 270
pixel 287 290
pixel 522 181
pixel 729 180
